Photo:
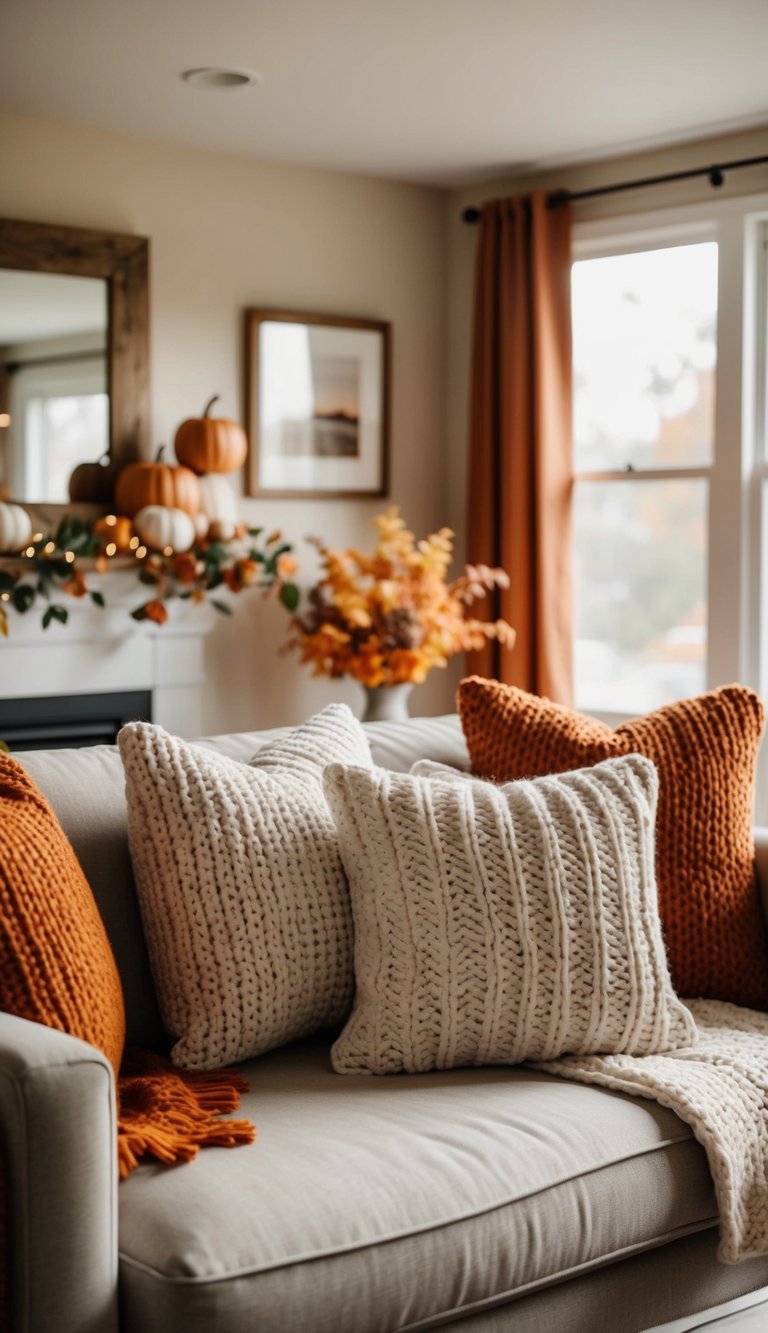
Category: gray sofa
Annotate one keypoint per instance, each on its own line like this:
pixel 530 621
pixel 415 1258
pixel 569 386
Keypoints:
pixel 499 1198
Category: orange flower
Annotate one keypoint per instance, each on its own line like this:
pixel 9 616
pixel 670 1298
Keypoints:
pixel 156 611
pixel 75 586
pixel 248 571
pixel 287 566
pixel 185 567
pixel 243 574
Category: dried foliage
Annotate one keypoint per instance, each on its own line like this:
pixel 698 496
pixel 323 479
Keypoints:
pixel 389 618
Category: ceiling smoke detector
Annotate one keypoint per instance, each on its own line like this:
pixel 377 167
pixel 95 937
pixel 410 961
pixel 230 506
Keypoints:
pixel 212 76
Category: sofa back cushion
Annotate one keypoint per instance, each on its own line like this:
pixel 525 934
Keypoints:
pixel 86 788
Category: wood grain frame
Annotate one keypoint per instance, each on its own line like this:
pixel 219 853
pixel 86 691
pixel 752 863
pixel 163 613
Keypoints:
pixel 254 318
pixel 123 263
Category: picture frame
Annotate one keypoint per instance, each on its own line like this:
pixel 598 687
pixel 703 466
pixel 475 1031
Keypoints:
pixel 317 405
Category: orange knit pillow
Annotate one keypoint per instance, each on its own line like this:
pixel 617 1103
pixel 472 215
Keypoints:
pixel 56 964
pixel 705 751
pixel 57 968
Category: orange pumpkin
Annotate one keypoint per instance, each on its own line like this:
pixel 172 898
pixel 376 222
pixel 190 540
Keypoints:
pixel 158 483
pixel 211 444
pixel 92 482
pixel 115 528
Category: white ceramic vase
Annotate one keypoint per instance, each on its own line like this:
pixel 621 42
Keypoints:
pixel 386 703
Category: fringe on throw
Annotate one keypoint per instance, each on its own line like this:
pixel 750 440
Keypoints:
pixel 171 1113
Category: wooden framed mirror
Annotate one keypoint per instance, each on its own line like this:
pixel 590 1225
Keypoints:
pixel 118 264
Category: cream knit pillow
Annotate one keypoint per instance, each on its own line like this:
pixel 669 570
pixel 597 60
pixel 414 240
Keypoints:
pixel 499 924
pixel 242 891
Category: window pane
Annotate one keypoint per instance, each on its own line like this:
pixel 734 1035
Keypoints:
pixel 640 593
pixel 644 351
pixel 60 433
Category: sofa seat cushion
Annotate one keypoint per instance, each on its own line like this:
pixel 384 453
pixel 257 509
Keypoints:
pixel 388 1203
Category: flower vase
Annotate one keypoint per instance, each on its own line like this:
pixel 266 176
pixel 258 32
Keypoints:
pixel 386 703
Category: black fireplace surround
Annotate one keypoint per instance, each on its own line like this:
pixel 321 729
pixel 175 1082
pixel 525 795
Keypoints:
pixel 71 720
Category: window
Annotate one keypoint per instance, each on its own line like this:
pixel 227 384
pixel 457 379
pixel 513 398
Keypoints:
pixel 61 412
pixel 670 324
pixel 645 351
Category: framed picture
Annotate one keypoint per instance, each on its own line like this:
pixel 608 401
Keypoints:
pixel 317 404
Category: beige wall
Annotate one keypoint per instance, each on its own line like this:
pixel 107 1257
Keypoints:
pixel 460 243
pixel 229 232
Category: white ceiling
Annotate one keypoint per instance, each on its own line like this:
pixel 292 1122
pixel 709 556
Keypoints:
pixel 445 92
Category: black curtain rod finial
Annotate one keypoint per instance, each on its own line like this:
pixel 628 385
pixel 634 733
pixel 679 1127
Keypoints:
pixel 716 177
pixel 471 215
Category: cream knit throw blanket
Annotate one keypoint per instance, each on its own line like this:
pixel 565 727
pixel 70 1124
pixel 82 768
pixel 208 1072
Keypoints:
pixel 720 1088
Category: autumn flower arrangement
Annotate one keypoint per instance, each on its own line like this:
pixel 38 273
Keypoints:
pixel 390 617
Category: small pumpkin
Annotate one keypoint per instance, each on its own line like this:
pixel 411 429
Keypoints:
pixel 15 529
pixel 211 444
pixel 217 499
pixel 158 483
pixel 222 530
pixel 161 527
pixel 116 528
pixel 93 482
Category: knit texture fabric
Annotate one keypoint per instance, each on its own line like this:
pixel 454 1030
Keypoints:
pixel 57 968
pixel 56 963
pixel 242 890
pixel 494 925
pixel 720 1088
pixel 705 751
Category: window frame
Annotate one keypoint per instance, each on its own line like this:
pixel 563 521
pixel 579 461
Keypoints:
pixel 737 641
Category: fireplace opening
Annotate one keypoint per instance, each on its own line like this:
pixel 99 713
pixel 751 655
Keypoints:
pixel 71 720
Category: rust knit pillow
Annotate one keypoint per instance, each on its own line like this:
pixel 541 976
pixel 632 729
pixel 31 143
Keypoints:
pixel 56 963
pixel 57 968
pixel 705 751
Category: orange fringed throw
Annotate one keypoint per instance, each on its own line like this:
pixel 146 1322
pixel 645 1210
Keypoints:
pixel 57 968
pixel 170 1113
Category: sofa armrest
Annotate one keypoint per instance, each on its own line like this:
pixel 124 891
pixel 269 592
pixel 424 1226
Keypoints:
pixel 58 1134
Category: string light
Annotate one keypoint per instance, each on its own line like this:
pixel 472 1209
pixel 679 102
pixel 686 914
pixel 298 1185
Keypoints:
pixel 133 543
pixel 30 551
pixel 110 549
pixel 37 536
pixel 167 550
pixel 69 556
pixel 49 548
pixel 141 551
pixel 110 520
pixel 5 597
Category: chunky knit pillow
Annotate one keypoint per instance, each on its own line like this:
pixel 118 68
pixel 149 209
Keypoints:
pixel 56 964
pixel 241 887
pixel 499 924
pixel 705 751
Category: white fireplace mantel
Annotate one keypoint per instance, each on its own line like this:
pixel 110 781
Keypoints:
pixel 99 651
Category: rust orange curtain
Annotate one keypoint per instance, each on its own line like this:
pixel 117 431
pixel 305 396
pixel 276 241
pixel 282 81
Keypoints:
pixel 520 450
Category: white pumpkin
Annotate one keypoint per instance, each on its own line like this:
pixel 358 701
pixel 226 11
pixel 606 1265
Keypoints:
pixel 202 524
pixel 15 529
pixel 159 527
pixel 217 498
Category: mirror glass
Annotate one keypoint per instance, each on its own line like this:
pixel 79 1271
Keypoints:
pixel 54 377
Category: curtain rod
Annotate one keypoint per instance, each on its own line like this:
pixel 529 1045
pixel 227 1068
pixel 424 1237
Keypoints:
pixel 715 173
